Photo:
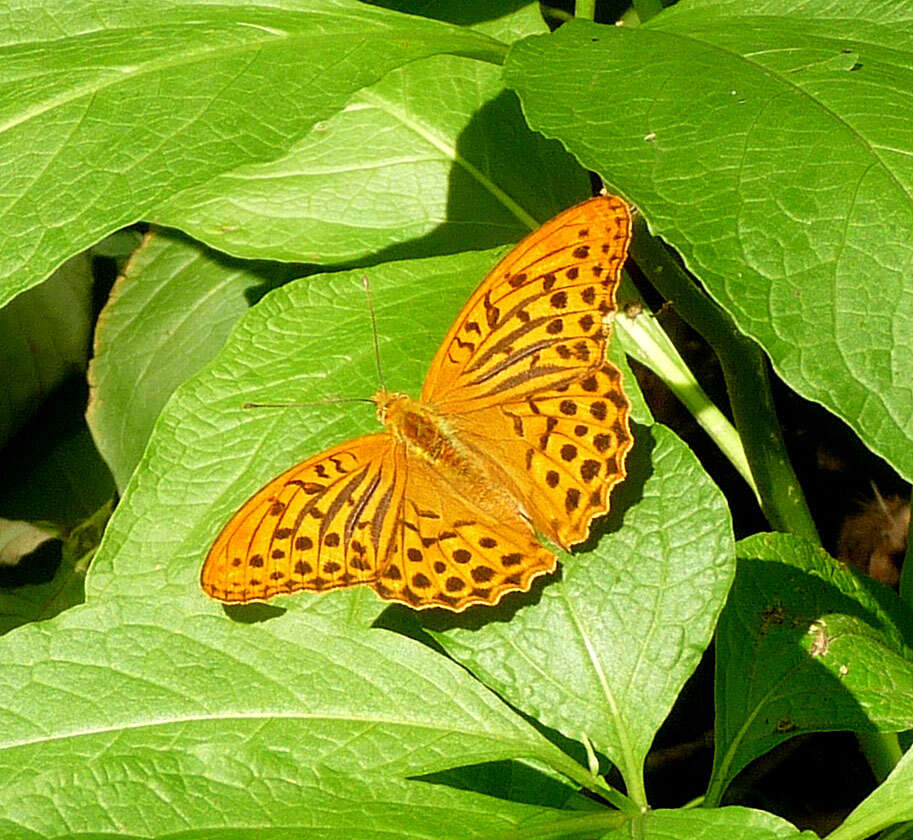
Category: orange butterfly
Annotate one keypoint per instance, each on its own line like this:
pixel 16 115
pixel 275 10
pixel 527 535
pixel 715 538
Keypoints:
pixel 522 427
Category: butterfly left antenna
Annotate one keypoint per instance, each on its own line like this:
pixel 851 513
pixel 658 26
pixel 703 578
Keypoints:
pixel 334 399
pixel 380 373
pixel 327 401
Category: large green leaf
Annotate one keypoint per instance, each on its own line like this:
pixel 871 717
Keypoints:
pixel 805 644
pixel 146 718
pixel 310 341
pixel 606 650
pixel 891 802
pixel 434 158
pixel 44 338
pixel 765 143
pixel 167 315
pixel 306 342
pixel 107 109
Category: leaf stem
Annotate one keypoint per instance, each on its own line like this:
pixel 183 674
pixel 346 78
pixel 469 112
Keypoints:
pixel 644 339
pixel 585 9
pixel 647 9
pixel 906 572
pixel 556 14
pixel 745 371
pixel 597 784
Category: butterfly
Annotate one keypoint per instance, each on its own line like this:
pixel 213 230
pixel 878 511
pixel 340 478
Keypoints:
pixel 520 433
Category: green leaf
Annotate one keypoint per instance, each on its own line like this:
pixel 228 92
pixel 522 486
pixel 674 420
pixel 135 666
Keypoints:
pixel 19 539
pixel 891 802
pixel 51 469
pixel 805 644
pixel 107 110
pixel 36 602
pixel 434 158
pixel 775 163
pixel 44 338
pixel 607 648
pixel 508 22
pixel 307 342
pixel 168 314
pixel 143 718
pixel 731 823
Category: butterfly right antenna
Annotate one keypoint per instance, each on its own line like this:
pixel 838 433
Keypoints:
pixel 380 372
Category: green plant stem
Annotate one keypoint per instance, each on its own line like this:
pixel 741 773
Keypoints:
pixel 585 9
pixel 881 750
pixel 745 371
pixel 906 573
pixel 556 14
pixel 642 338
pixel 647 9
pixel 597 784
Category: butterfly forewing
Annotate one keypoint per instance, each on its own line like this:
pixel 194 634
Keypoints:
pixel 324 524
pixel 539 319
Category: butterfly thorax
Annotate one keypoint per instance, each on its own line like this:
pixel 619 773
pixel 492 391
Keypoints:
pixel 428 435
pixel 420 428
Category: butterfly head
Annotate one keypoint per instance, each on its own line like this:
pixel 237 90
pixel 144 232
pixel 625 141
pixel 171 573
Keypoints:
pixel 389 405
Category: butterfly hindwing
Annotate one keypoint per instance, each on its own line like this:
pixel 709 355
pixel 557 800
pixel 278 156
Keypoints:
pixel 321 525
pixel 451 554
